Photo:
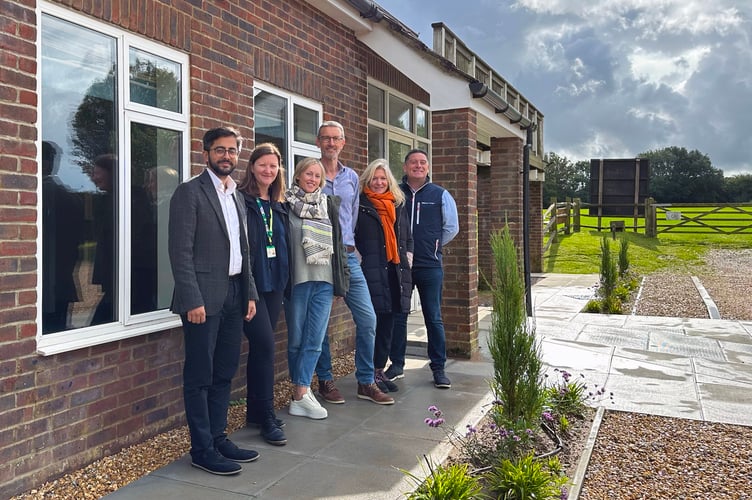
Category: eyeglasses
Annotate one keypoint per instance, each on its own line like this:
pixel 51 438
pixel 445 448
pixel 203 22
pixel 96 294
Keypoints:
pixel 219 150
pixel 326 138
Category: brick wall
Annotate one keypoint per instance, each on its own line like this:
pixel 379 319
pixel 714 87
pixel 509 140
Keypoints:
pixel 536 227
pixel 453 163
pixel 60 412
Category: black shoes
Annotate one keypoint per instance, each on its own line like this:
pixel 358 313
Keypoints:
pixel 393 373
pixel 384 384
pixel 440 380
pixel 271 432
pixel 230 451
pixel 211 461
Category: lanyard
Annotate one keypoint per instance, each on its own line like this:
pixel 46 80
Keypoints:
pixel 267 221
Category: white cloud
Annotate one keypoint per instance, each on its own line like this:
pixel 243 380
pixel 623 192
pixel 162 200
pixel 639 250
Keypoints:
pixel 672 70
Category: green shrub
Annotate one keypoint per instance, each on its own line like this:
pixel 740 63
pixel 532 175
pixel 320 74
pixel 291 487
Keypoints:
pixel 446 483
pixel 525 479
pixel 623 256
pixel 518 368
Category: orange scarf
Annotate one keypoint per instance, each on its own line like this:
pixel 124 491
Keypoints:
pixel 384 205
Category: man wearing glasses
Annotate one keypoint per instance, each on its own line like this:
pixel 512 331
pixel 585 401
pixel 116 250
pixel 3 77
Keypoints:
pixel 342 181
pixel 214 292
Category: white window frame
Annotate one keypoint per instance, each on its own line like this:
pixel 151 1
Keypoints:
pixel 396 133
pixel 294 147
pixel 127 326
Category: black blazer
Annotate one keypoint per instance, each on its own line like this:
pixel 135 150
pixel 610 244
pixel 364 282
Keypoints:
pixel 199 248
pixel 369 239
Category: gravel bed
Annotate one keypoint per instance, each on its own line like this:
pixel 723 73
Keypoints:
pixel 647 457
pixel 635 456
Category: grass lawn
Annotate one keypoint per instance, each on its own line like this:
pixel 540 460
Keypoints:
pixel 580 253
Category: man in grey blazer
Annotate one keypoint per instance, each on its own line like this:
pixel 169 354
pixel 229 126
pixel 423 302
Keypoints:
pixel 214 293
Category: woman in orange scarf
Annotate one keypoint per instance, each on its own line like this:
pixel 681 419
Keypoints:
pixel 385 244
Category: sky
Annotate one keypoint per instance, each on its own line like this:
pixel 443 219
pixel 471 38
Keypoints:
pixel 615 78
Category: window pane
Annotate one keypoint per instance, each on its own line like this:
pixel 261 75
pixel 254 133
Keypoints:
pixel 306 123
pixel 375 143
pixel 400 113
pixel 79 195
pixel 375 103
pixel 154 173
pixel 271 120
pixel 421 122
pixel 154 81
pixel 397 152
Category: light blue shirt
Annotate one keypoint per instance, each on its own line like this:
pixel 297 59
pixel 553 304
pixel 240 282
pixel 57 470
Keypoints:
pixel 345 185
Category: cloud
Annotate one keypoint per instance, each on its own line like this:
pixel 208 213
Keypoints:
pixel 618 77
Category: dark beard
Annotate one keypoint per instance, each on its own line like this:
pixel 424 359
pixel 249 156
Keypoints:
pixel 221 171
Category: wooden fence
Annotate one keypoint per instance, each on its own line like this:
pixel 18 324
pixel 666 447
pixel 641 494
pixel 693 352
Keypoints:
pixel 726 218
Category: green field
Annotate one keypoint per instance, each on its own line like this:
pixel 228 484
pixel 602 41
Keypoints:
pixel 579 253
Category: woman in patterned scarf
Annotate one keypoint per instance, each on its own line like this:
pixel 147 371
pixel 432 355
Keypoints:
pixel 385 243
pixel 318 272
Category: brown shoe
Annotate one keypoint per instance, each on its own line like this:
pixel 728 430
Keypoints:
pixel 330 393
pixel 373 393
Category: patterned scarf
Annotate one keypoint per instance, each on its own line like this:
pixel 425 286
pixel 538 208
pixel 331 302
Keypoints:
pixel 317 241
pixel 384 204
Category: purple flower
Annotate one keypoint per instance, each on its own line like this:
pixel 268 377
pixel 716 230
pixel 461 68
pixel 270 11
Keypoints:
pixel 547 416
pixel 432 408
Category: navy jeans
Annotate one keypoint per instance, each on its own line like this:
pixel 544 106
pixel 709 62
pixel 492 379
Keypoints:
pixel 212 354
pixel 429 282
pixel 260 367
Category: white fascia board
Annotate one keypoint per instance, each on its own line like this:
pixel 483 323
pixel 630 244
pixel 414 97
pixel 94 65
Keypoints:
pixel 447 90
pixel 343 13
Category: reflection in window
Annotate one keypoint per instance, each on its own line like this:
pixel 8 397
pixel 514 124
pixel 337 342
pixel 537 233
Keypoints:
pixel 279 116
pixel 103 203
pixel 270 125
pixel 154 81
pixel 306 124
pixel 375 104
pixel 397 152
pixel 421 122
pixel 79 185
pixel 155 164
pixel 400 113
pixel 375 143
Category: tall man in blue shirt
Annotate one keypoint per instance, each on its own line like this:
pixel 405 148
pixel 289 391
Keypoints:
pixel 434 222
pixel 342 181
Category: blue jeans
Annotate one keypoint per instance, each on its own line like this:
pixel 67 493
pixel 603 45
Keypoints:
pixel 358 299
pixel 307 314
pixel 428 281
pixel 212 355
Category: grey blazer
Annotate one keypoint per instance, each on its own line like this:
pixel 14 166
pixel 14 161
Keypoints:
pixel 199 248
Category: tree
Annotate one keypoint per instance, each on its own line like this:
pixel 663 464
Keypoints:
pixel 738 188
pixel 681 176
pixel 565 179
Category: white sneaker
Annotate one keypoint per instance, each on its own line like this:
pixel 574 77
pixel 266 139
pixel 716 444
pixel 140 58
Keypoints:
pixel 308 406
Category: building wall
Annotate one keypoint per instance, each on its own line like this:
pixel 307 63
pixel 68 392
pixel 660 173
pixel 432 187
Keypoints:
pixel 60 412
pixel 453 164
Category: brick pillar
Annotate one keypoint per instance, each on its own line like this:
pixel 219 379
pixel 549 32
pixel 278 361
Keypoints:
pixel 453 163
pixel 536 227
pixel 505 189
pixel 485 211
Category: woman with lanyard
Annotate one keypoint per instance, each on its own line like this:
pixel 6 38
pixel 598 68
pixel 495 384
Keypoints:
pixel 263 189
